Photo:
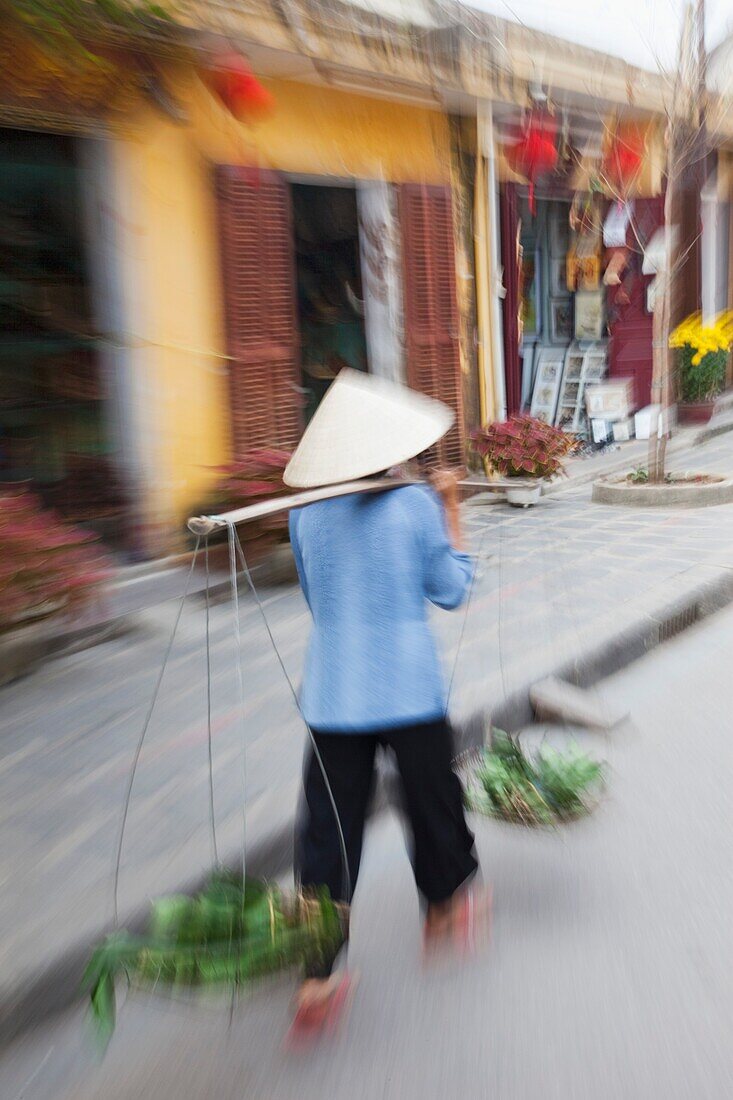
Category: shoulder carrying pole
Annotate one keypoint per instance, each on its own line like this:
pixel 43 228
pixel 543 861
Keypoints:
pixel 204 525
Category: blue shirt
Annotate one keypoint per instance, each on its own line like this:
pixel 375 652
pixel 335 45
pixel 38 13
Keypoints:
pixel 367 565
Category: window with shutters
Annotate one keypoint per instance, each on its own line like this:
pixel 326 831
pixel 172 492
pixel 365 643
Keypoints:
pixel 330 306
pixel 431 310
pixel 258 276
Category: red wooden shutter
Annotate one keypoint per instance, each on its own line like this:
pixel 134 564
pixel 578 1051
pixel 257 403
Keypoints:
pixel 258 271
pixel 431 308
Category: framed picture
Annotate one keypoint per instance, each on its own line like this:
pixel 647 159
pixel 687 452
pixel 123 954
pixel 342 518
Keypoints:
pixel 548 375
pixel 609 400
pixel 589 315
pixel 558 276
pixel 561 320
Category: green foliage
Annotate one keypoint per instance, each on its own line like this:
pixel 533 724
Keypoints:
pixel 70 28
pixel 702 381
pixel 225 935
pixel 549 788
pixel 639 476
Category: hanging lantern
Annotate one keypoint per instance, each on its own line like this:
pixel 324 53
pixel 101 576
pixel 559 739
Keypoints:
pixel 622 162
pixel 535 152
pixel 232 81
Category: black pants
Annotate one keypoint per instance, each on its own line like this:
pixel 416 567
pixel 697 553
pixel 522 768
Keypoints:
pixel 442 845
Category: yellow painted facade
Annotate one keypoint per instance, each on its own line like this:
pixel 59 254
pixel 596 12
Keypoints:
pixel 176 315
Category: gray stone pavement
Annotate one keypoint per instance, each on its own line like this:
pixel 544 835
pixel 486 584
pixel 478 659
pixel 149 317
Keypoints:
pixel 608 975
pixel 552 582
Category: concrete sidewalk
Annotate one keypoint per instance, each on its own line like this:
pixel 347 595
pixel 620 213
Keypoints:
pixel 567 586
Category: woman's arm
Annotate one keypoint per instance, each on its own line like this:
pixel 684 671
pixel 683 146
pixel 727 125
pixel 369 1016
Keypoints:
pixel 445 483
pixel 447 571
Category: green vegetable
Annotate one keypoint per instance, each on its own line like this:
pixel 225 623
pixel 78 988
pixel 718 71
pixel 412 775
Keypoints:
pixel 549 788
pixel 226 935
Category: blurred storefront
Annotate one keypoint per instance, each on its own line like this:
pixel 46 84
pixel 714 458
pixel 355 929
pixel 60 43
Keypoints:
pixel 223 268
pixel 573 247
pixel 180 286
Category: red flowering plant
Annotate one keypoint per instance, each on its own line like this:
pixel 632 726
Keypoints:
pixel 47 567
pixel 257 476
pixel 523 446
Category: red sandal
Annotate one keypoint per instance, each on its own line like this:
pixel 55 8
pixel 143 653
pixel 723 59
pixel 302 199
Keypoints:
pixel 322 1018
pixel 471 919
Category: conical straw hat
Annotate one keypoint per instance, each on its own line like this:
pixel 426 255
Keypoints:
pixel 364 425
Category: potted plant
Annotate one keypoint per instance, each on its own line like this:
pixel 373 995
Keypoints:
pixel 524 449
pixel 48 569
pixel 702 360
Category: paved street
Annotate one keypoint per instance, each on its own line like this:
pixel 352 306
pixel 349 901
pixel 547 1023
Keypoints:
pixel 551 581
pixel 608 975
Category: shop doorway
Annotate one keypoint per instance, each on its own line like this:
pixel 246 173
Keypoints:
pixel 53 416
pixel 330 298
pixel 546 303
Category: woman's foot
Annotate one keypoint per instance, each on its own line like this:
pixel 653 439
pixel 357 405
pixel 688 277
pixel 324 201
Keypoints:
pixel 459 923
pixel 320 1008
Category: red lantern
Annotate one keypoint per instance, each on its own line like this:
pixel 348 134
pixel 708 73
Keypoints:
pixel 535 152
pixel 623 160
pixel 232 81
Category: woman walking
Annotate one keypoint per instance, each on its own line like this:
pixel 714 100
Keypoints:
pixel 368 566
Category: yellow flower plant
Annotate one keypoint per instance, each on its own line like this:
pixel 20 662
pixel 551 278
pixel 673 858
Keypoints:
pixel 702 356
pixel 703 338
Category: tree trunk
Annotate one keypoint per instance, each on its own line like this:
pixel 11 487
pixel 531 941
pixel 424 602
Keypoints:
pixel 661 391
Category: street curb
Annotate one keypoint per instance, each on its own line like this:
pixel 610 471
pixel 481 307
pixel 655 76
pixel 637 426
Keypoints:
pixel 619 650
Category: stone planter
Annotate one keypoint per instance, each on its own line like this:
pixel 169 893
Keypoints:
pixel 524 494
pixel 21 650
pixel 695 412
pixel 682 491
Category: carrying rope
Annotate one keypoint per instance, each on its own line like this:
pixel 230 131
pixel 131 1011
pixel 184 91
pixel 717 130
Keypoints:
pixel 143 734
pixel 212 813
pixel 232 538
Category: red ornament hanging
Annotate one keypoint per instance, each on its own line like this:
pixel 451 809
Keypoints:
pixel 622 162
pixel 535 152
pixel 232 81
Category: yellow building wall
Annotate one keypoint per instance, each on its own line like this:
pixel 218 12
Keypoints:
pixel 177 322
